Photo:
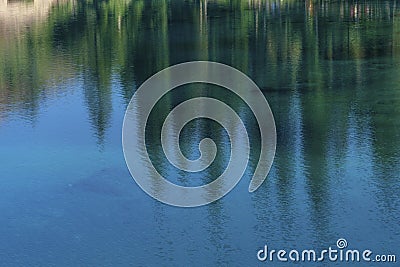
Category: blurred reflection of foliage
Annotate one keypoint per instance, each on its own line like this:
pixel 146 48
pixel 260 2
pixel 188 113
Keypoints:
pixel 134 39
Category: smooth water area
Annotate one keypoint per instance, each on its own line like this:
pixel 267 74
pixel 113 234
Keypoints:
pixel 329 69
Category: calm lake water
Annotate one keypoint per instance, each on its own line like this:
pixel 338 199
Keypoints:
pixel 329 69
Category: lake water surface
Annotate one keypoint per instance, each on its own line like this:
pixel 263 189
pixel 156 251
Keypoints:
pixel 329 69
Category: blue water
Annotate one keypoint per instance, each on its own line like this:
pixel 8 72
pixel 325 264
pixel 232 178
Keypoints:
pixel 328 69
